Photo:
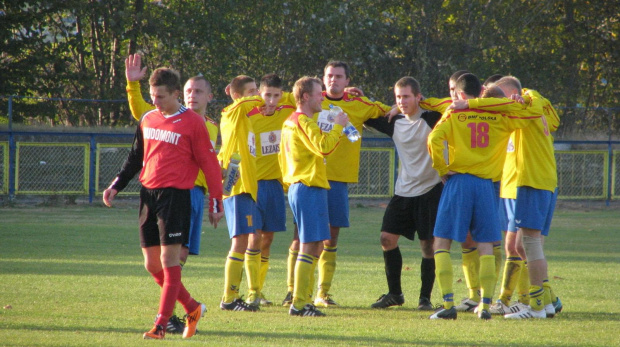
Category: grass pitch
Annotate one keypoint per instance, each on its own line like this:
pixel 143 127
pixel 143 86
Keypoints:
pixel 74 277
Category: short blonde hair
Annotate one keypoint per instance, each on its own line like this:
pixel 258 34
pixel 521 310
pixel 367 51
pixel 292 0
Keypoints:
pixel 509 82
pixel 304 85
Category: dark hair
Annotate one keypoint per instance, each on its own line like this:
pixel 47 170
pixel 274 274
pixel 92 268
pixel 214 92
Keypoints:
pixel 411 82
pixel 238 84
pixel 338 63
pixel 166 77
pixel 492 79
pixel 469 84
pixel 271 80
pixel 455 76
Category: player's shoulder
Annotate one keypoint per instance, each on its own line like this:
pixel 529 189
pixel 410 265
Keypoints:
pixel 431 118
pixel 149 115
pixel 209 120
pixel 350 98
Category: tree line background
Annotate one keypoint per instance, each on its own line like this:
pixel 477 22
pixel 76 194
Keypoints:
pixel 566 49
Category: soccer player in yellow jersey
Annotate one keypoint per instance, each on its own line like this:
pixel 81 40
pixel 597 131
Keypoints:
pixel 197 95
pixel 342 165
pixel 469 251
pixel 240 206
pixel 477 141
pixel 536 184
pixel 267 118
pixel 302 159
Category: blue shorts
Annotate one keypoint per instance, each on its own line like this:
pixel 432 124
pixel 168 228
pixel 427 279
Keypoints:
pixel 338 204
pixel 197 195
pixel 270 206
pixel 497 188
pixel 309 205
pixel 507 215
pixel 468 203
pixel 534 208
pixel 240 210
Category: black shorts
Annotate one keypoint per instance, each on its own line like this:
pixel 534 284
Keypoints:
pixel 407 215
pixel 164 216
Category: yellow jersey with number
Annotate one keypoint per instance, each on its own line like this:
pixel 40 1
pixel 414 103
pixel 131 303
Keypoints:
pixel 477 139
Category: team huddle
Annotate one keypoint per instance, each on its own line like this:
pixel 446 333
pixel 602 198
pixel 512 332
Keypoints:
pixel 472 165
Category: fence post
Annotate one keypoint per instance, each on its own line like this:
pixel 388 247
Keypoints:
pixel 12 154
pixel 610 162
pixel 92 170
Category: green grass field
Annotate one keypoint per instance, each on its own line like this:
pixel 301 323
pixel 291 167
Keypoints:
pixel 73 276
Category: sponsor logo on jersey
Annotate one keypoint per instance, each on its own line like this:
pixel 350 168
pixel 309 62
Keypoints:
pixel 161 135
pixel 174 234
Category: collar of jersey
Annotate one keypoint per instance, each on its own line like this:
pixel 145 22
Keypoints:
pixel 181 110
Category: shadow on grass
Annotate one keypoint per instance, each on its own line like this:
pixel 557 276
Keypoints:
pixel 588 316
pixel 273 338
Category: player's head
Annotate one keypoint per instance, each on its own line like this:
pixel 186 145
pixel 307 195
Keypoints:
pixel 308 93
pixel 271 91
pixel 164 88
pixel 407 93
pixel 493 91
pixel 510 85
pixel 492 79
pixel 336 77
pixel 197 94
pixel 242 86
pixel 452 82
pixel 468 86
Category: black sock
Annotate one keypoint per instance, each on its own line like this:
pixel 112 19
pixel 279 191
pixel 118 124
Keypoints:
pixel 427 274
pixel 393 267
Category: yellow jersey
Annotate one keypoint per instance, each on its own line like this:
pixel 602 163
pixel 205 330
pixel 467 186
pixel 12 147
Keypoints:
pixel 304 149
pixel 343 164
pixel 268 134
pixel 477 139
pixel 139 107
pixel 238 137
pixel 436 104
pixel 536 166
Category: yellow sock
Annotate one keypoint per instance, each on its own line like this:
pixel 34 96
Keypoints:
pixel 252 267
pixel 512 272
pixel 536 298
pixel 443 274
pixel 547 288
pixel 497 252
pixel 487 279
pixel 232 276
pixel 327 268
pixel 315 263
pixel 523 285
pixel 290 269
pixel 304 267
pixel 554 297
pixel 262 272
pixel 471 270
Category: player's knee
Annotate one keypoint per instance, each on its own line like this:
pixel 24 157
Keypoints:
pixel 388 242
pixel 533 248
pixel 152 267
pixel 426 247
